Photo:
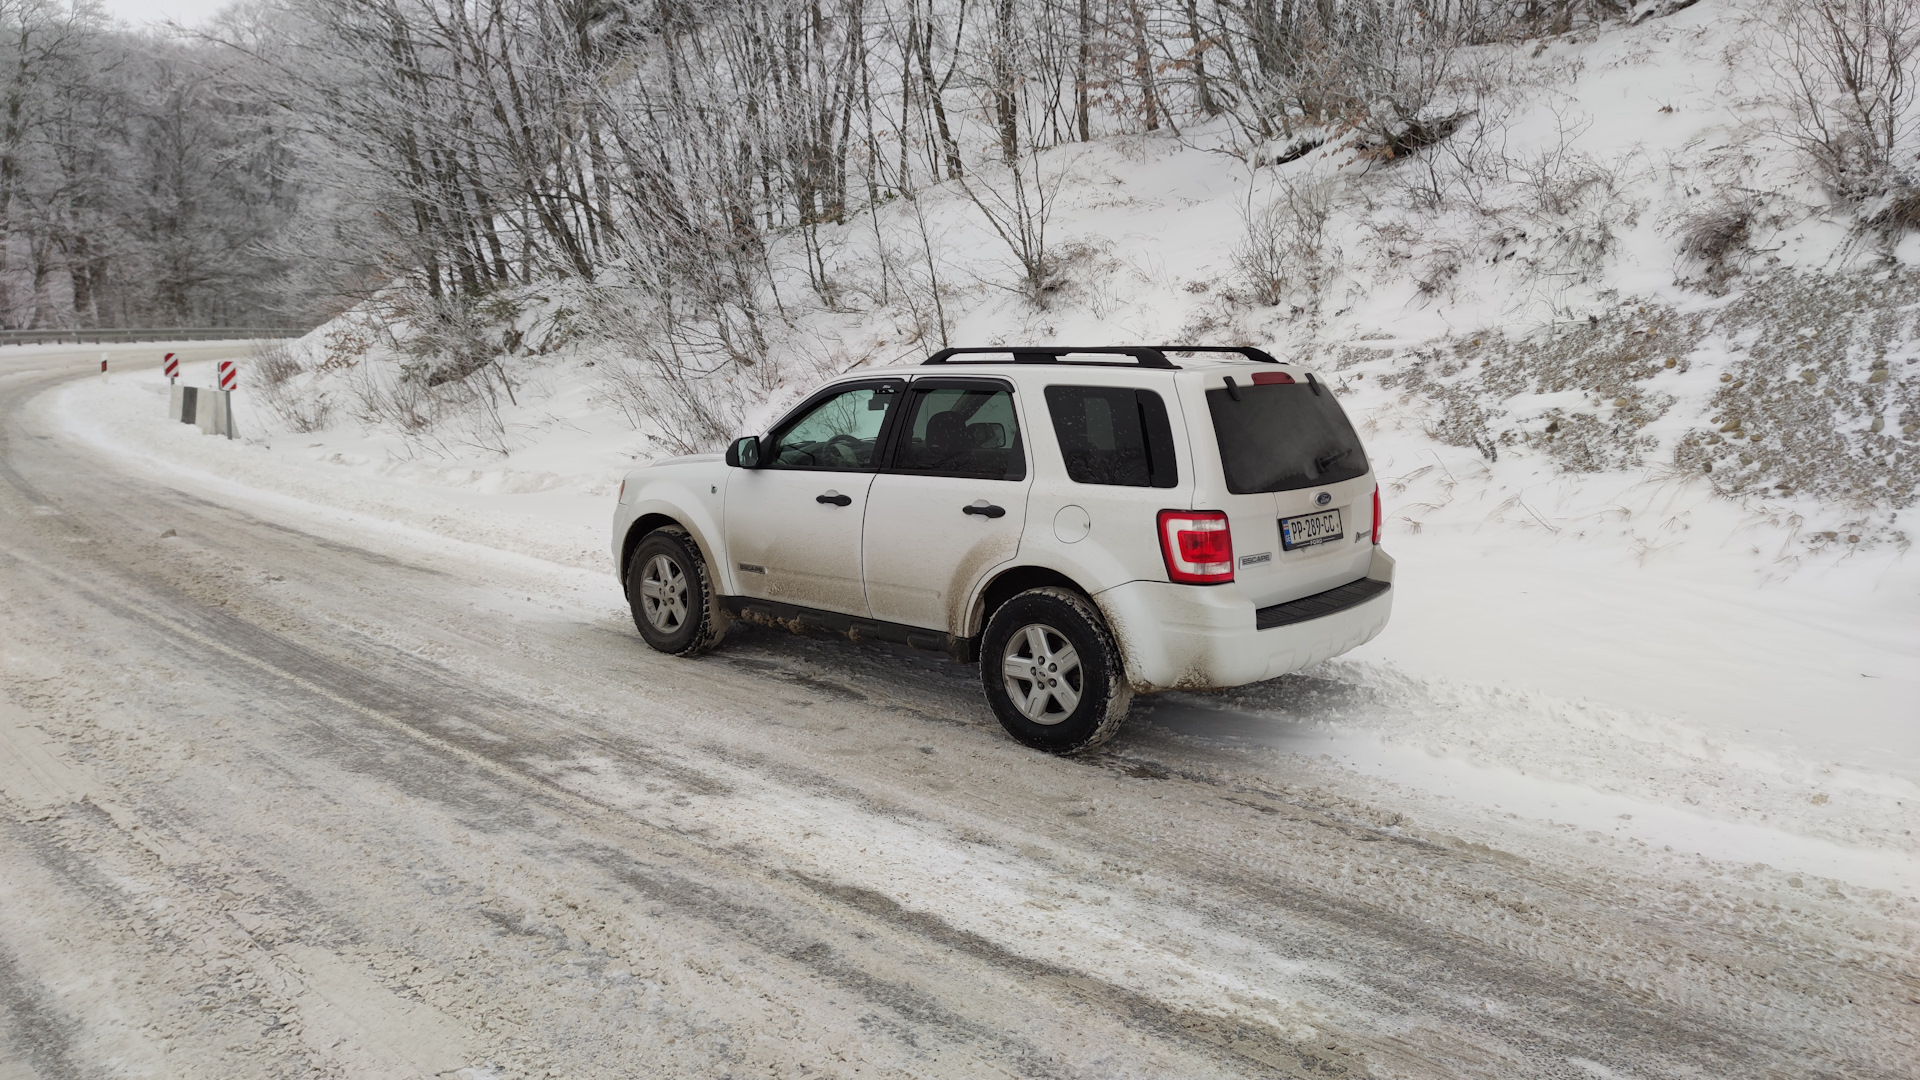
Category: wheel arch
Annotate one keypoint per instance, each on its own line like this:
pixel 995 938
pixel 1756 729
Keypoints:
pixel 645 524
pixel 1010 583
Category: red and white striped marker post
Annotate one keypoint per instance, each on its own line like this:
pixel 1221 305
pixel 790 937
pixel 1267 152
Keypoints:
pixel 229 375
pixel 171 366
pixel 103 367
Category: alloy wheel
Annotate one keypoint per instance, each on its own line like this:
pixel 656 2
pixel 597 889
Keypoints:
pixel 663 594
pixel 1043 674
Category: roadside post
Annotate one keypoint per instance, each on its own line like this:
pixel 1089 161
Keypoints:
pixel 171 366
pixel 103 367
pixel 229 380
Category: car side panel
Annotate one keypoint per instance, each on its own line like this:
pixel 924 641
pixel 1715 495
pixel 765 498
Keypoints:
pixel 691 494
pixel 1100 535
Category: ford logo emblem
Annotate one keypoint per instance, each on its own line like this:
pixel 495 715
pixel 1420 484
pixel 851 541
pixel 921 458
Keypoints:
pixel 1322 499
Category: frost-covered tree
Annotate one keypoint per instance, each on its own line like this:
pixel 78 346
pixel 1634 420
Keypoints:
pixel 139 180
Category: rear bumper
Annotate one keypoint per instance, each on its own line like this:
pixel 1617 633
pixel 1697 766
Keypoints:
pixel 1186 637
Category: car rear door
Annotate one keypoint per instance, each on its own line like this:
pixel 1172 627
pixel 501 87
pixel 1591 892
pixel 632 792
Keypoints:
pixel 1281 458
pixel 793 524
pixel 950 503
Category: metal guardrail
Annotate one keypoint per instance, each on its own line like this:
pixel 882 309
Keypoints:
pixel 54 336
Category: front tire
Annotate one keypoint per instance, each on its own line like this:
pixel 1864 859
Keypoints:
pixel 672 595
pixel 1053 673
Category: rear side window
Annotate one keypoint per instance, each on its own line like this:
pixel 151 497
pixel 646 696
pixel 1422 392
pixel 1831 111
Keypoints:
pixel 1113 435
pixel 961 430
pixel 1280 437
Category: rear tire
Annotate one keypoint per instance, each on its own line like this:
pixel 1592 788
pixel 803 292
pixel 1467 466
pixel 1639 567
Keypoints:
pixel 672 595
pixel 1052 671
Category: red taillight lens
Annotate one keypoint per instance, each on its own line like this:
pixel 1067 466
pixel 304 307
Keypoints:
pixel 1376 513
pixel 1272 378
pixel 1197 546
pixel 622 497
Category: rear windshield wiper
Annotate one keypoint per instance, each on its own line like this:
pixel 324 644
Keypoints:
pixel 1326 461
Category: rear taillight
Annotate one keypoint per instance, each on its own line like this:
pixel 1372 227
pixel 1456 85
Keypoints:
pixel 622 497
pixel 1376 513
pixel 1197 546
pixel 1272 378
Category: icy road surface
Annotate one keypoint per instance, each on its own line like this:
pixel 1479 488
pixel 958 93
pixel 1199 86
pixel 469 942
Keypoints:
pixel 286 799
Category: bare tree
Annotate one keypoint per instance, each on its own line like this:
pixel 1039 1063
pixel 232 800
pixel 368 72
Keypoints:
pixel 1850 72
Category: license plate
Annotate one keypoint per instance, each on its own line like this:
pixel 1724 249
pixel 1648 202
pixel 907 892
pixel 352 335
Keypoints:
pixel 1310 529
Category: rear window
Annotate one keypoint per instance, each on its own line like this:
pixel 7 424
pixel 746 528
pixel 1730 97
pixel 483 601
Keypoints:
pixel 1113 435
pixel 1280 437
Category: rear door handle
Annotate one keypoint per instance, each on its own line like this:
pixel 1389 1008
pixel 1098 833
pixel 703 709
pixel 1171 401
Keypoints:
pixel 984 508
pixel 834 498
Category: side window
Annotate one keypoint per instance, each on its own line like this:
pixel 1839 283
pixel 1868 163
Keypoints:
pixel 838 433
pixel 961 431
pixel 1113 435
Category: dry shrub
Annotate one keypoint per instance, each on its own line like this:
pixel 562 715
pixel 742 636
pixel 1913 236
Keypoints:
pixel 1848 75
pixel 272 367
pixel 1898 210
pixel 428 368
pixel 1716 242
pixel 678 380
pixel 302 409
pixel 693 410
pixel 348 339
pixel 1571 203
pixel 1283 251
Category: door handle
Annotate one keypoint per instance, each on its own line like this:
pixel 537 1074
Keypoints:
pixel 834 498
pixel 984 508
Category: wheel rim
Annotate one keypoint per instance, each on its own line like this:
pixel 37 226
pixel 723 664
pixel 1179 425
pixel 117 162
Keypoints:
pixel 1043 674
pixel 663 594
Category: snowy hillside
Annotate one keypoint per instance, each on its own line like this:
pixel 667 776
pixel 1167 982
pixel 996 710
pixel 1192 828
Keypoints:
pixel 1647 405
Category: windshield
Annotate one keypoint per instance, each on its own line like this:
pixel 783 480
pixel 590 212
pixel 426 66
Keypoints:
pixel 1279 437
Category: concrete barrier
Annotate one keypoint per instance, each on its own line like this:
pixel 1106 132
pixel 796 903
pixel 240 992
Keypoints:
pixel 210 410
pixel 182 402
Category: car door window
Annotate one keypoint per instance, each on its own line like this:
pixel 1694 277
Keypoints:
pixel 1113 435
pixel 961 430
pixel 839 433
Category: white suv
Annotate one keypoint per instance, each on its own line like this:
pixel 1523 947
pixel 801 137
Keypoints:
pixel 1086 523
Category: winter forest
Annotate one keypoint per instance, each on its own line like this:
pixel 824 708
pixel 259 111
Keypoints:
pixel 303 154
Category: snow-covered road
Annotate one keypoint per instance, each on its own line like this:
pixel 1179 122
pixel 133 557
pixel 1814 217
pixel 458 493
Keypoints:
pixel 287 796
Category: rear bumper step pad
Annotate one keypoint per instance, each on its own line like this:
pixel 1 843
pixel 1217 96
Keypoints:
pixel 1339 598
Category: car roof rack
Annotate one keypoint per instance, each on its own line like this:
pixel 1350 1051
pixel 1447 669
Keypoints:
pixel 1146 356
pixel 1258 356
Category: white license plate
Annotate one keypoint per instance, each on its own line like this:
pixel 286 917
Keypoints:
pixel 1310 529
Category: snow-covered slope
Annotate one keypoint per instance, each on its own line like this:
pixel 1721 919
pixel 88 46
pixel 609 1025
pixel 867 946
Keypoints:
pixel 1649 504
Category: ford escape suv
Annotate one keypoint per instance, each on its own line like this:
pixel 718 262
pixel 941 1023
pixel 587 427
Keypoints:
pixel 1085 523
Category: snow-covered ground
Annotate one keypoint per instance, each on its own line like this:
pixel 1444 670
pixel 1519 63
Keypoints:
pixel 1587 629
pixel 1604 652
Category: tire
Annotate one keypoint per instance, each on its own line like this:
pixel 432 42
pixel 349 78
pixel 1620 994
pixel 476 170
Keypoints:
pixel 672 595
pixel 1081 706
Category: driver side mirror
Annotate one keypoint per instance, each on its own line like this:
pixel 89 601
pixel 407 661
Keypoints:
pixel 744 453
